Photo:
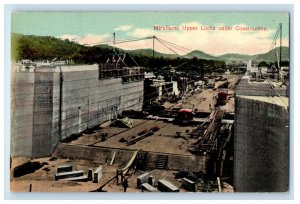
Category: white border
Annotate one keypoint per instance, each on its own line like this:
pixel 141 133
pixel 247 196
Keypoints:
pixel 87 196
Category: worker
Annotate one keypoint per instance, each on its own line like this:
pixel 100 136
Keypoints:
pixel 125 185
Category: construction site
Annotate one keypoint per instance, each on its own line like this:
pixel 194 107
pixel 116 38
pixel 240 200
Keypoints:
pixel 170 145
pixel 114 128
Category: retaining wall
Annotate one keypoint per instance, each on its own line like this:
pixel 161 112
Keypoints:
pixel 104 155
pixel 248 88
pixel 261 146
pixel 51 103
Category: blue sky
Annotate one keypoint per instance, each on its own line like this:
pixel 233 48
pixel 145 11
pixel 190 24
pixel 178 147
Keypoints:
pixel 93 27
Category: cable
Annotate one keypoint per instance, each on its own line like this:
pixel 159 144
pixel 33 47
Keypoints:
pixel 125 41
pixel 133 60
pixel 167 46
pixel 273 45
pixel 175 46
pixel 121 59
pixel 120 41
pixel 272 87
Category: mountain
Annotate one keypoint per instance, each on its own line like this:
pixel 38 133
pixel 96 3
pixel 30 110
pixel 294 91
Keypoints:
pixel 149 53
pixel 47 47
pixel 271 55
pixel 201 55
pixel 234 57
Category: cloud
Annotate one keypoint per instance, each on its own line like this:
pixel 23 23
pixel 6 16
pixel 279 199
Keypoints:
pixel 89 39
pixel 215 42
pixel 124 28
pixel 69 37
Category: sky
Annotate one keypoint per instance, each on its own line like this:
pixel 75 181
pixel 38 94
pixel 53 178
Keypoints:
pixel 96 27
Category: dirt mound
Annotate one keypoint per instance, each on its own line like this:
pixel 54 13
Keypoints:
pixel 27 168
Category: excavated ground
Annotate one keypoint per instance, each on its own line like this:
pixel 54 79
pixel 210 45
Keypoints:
pixel 164 140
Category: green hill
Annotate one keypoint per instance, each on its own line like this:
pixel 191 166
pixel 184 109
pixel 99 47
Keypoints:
pixel 42 47
pixel 149 53
pixel 234 57
pixel 200 55
pixel 47 47
pixel 271 55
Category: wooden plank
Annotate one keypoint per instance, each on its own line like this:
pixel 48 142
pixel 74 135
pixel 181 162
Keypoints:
pixel 126 168
pixel 219 184
pixel 113 158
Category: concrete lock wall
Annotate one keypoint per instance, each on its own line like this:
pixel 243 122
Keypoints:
pixel 22 96
pixel 248 88
pixel 105 154
pixel 52 103
pixel 178 162
pixel 261 146
pixel 99 154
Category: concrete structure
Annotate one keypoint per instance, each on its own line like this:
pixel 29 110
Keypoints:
pixel 147 187
pixel 98 174
pixel 49 104
pixel 144 178
pixel 65 168
pixel 188 185
pixel 261 139
pixel 70 174
pixel 166 186
pixel 176 162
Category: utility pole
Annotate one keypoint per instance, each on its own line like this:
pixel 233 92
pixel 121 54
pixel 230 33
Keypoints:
pixel 114 41
pixel 114 48
pixel 153 47
pixel 280 49
pixel 153 41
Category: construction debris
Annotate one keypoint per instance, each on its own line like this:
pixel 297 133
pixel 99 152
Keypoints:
pixel 113 158
pixel 219 184
pixel 188 185
pixel 70 174
pixel 124 122
pixel 141 135
pixel 149 188
pixel 144 178
pixel 65 168
pixel 166 186
pixel 90 174
pixel 97 174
